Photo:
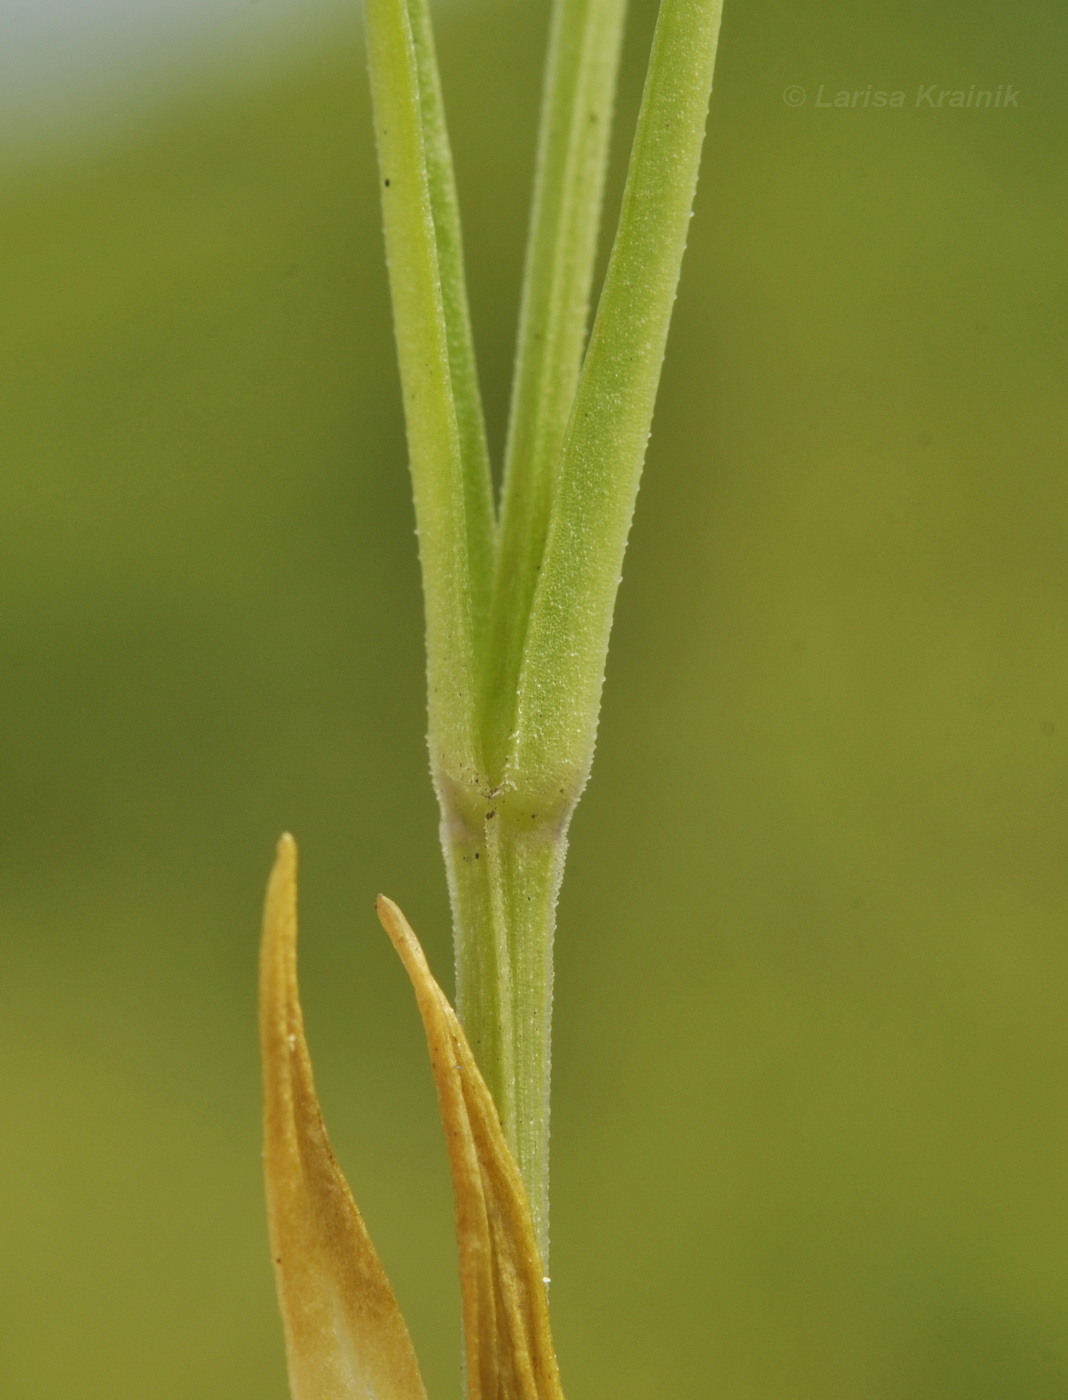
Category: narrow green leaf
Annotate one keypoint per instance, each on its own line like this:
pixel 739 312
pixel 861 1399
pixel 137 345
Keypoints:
pixel 445 209
pixel 567 639
pixel 568 194
pixel 446 447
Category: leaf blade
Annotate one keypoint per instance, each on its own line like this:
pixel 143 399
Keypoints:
pixel 467 399
pixel 415 187
pixel 345 1336
pixel 576 122
pixel 567 639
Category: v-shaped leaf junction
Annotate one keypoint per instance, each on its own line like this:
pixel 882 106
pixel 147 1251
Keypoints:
pixel 345 1336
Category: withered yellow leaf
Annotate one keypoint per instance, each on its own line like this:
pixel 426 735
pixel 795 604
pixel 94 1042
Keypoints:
pixel 506 1314
pixel 345 1336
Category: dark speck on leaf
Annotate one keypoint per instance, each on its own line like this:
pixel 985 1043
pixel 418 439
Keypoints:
pixel 386 183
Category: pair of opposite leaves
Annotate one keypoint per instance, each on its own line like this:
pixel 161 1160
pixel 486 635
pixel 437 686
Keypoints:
pixel 345 1336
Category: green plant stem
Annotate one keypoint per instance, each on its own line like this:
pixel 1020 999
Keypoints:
pixel 515 678
pixel 504 871
pixel 504 876
pixel 506 854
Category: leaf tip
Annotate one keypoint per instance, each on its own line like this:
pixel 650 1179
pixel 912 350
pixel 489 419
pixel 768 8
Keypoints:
pixel 345 1336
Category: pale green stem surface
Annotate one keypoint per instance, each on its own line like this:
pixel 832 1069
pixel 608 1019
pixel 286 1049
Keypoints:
pixel 504 876
pixel 569 184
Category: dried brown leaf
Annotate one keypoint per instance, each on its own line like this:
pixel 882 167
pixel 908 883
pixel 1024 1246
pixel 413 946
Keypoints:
pixel 345 1336
pixel 506 1313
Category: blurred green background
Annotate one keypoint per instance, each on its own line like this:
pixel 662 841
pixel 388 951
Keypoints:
pixel 811 1131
